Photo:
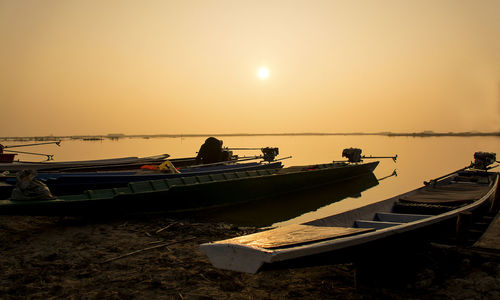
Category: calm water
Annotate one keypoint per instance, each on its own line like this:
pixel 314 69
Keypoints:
pixel 419 159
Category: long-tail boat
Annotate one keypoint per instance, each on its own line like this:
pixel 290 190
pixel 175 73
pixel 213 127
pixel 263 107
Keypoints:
pixel 438 201
pixel 64 183
pixel 192 193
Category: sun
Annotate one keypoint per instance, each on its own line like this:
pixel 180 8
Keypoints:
pixel 263 73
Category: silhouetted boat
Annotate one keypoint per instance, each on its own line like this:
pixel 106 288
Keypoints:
pixel 290 205
pixel 192 193
pixel 73 183
pixel 7 157
pixel 441 200
pixel 101 164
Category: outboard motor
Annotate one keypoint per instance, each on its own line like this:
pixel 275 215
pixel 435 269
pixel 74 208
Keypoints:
pixel 353 154
pixel 269 153
pixel 227 154
pixel 483 159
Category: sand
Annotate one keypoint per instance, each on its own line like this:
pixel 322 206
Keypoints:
pixel 157 257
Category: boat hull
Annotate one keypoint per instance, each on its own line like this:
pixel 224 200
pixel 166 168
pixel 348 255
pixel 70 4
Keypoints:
pixel 88 165
pixel 240 190
pixel 74 183
pixel 7 157
pixel 191 193
pixel 370 224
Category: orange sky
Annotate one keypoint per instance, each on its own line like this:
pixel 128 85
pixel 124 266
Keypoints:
pixel 151 67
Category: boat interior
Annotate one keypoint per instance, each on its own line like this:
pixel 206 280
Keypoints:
pixel 431 200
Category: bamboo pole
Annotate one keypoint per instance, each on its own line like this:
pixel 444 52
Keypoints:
pixel 145 249
pixel 449 174
pixel 49 156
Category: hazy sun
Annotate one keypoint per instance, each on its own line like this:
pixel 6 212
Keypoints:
pixel 263 73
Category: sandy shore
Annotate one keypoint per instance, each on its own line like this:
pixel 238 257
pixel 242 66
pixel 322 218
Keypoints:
pixel 158 258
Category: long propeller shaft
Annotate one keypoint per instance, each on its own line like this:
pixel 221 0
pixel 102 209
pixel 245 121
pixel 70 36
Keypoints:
pixel 231 148
pixel 35 144
pixel 449 174
pixel 394 158
pixel 49 156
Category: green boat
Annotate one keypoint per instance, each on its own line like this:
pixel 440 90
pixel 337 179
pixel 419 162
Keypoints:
pixel 192 193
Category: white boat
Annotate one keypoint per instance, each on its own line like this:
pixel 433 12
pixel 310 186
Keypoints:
pixel 441 200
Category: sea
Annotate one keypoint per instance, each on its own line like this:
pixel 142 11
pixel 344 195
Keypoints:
pixel 419 159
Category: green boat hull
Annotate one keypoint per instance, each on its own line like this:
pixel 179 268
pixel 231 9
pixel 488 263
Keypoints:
pixel 191 193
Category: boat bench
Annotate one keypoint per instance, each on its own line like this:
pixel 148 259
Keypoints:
pixel 374 224
pixel 402 218
pixel 383 220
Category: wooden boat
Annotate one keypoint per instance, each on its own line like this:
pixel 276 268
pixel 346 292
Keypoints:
pixel 289 205
pixel 63 183
pixel 437 202
pixel 123 162
pixel 7 157
pixel 192 193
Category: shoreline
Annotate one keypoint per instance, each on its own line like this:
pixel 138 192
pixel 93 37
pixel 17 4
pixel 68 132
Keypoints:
pixel 147 136
pixel 157 257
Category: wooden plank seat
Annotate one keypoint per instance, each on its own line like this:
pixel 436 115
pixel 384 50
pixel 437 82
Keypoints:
pixel 374 224
pixel 294 235
pixel 401 218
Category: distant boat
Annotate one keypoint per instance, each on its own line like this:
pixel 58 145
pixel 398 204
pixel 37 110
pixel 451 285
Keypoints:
pixel 93 139
pixel 192 193
pixel 441 200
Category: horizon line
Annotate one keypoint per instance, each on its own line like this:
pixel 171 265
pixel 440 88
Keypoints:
pixel 384 133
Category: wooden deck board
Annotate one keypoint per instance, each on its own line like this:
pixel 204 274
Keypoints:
pixel 449 194
pixel 294 235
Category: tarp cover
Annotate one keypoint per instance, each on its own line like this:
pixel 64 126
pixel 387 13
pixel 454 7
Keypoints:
pixel 29 188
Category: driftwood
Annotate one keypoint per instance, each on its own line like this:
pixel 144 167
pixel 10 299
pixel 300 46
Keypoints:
pixel 166 227
pixel 145 249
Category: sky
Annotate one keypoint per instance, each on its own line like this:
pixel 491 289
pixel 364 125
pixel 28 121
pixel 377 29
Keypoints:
pixel 72 67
